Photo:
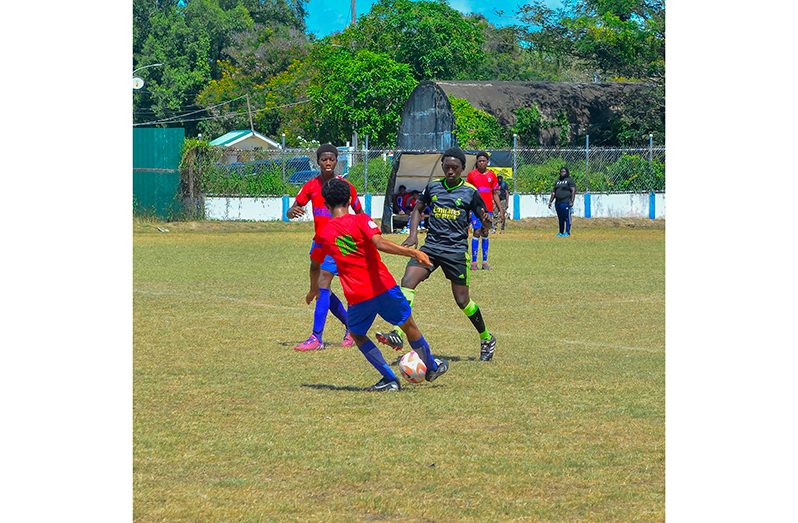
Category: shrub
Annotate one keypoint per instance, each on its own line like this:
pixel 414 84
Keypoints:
pixel 476 129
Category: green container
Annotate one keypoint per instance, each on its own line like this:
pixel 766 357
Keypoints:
pixel 156 178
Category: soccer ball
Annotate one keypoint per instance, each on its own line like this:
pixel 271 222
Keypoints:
pixel 412 367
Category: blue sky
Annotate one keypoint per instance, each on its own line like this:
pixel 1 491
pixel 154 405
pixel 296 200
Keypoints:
pixel 329 16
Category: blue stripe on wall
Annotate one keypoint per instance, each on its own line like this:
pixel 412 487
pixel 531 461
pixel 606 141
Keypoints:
pixel 368 204
pixel 587 205
pixel 516 206
pixel 652 205
pixel 286 206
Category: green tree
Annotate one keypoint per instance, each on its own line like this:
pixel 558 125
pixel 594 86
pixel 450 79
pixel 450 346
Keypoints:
pixel 436 41
pixel 623 39
pixel 476 129
pixel 363 92
pixel 189 40
pixel 185 55
pixel 528 123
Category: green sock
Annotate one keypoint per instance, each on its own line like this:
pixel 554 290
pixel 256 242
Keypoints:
pixel 410 295
pixel 472 311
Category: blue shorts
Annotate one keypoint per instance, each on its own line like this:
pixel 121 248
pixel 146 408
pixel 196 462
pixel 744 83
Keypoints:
pixel 476 223
pixel 391 305
pixel 329 263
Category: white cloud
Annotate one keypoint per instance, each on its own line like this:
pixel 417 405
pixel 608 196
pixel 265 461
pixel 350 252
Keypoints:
pixel 464 6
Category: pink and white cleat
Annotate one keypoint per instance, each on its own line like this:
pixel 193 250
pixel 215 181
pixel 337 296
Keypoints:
pixel 312 343
pixel 347 341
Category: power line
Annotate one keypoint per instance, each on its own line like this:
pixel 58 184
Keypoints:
pixel 225 115
pixel 164 120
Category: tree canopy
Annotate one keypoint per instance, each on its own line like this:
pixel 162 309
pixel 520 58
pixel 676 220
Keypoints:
pixel 217 55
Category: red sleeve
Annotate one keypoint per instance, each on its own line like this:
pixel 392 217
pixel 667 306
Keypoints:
pixel 367 226
pixel 470 179
pixel 355 202
pixel 305 194
pixel 320 252
pixel 318 255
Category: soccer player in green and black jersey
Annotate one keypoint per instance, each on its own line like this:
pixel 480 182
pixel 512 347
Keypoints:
pixel 450 199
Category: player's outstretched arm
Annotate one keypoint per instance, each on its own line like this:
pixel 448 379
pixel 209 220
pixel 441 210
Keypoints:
pixel 415 219
pixel 315 271
pixel 295 211
pixel 390 247
pixel 497 204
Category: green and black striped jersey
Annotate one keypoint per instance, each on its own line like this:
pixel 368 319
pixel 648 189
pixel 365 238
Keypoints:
pixel 448 218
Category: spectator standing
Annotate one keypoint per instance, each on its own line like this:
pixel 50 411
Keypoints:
pixel 504 189
pixel 564 193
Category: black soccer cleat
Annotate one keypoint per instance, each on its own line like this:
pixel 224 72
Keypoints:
pixel 486 348
pixel 385 385
pixel 432 375
pixel 391 338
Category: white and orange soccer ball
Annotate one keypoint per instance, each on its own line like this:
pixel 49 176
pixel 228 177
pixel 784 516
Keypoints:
pixel 412 367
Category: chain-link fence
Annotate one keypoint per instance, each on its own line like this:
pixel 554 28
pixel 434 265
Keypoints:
pixel 220 171
pixel 593 169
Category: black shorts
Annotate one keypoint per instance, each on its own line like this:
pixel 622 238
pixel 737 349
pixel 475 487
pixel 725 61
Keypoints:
pixel 455 266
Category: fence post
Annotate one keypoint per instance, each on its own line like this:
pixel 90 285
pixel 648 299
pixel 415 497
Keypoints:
pixel 587 176
pixel 516 197
pixel 515 163
pixel 652 198
pixel 283 162
pixel 366 166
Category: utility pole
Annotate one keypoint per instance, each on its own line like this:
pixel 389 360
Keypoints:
pixel 354 15
pixel 249 110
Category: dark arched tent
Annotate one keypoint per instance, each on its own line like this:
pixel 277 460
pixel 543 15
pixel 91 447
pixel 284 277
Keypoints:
pixel 591 108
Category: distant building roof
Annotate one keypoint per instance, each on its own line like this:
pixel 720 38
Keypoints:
pixel 233 137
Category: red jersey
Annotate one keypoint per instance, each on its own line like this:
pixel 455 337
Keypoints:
pixel 311 192
pixel 362 273
pixel 485 184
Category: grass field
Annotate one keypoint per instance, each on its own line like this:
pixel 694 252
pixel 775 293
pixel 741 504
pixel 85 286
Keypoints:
pixel 566 424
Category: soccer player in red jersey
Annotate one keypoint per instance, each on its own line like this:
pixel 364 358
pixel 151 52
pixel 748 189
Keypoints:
pixel 487 184
pixel 322 270
pixel 353 240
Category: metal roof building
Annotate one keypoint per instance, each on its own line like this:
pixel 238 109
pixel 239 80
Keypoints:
pixel 245 140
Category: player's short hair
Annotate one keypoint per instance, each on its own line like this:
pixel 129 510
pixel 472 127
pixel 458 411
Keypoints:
pixel 454 152
pixel 326 148
pixel 336 192
pixel 401 187
pixel 564 168
pixel 483 153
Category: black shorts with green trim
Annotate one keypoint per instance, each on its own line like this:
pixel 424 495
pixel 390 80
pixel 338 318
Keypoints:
pixel 455 266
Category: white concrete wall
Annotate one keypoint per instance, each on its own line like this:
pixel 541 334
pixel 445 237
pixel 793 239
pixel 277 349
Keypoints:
pixel 619 206
pixel 237 208
pixel 602 205
pixel 268 208
pixel 532 206
pixel 659 205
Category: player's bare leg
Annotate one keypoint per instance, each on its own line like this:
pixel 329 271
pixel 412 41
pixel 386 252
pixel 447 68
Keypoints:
pixel 471 310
